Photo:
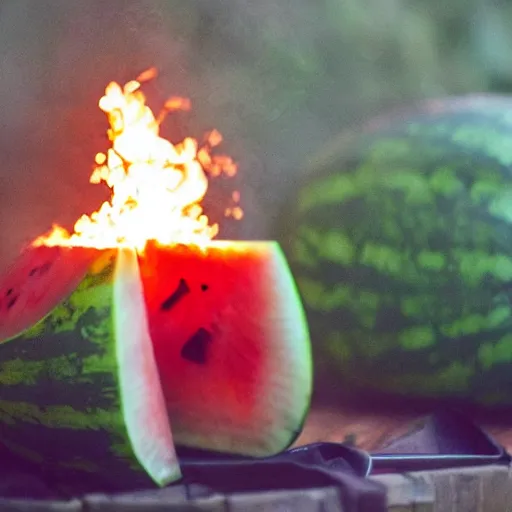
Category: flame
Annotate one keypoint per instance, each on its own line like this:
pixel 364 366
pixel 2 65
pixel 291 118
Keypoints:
pixel 156 186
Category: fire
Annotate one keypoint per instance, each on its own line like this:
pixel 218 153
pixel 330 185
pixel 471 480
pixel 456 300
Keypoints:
pixel 156 186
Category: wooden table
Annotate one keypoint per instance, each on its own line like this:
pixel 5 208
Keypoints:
pixel 370 430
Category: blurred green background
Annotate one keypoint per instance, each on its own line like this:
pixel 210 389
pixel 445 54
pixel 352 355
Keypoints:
pixel 278 78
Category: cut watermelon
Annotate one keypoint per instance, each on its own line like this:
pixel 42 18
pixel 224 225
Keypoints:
pixel 231 343
pixel 79 387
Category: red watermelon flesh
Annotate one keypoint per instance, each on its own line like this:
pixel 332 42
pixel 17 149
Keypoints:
pixel 231 343
pixel 36 282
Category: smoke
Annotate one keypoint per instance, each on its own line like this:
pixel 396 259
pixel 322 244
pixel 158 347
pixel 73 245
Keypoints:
pixel 277 78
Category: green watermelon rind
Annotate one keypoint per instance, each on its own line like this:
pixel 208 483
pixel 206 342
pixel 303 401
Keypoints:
pixel 63 382
pixel 285 283
pixel 142 399
pixel 353 226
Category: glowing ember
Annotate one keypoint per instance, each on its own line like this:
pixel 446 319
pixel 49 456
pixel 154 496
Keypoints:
pixel 156 186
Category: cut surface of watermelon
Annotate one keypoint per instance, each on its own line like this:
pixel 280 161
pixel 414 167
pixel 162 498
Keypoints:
pixel 36 282
pixel 231 344
pixel 79 389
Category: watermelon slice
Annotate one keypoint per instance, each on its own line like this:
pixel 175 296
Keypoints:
pixel 231 344
pixel 79 387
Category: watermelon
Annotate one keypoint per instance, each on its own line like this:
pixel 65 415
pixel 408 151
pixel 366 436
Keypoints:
pixel 231 343
pixel 79 387
pixel 400 239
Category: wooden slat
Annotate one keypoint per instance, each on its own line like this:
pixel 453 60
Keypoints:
pixel 474 489
pixel 18 505
pixel 314 500
pixel 408 493
pixel 174 499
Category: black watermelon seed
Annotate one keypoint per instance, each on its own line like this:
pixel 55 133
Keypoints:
pixel 45 267
pixel 40 270
pixel 195 349
pixel 204 287
pixel 175 296
pixel 11 303
pixel 9 291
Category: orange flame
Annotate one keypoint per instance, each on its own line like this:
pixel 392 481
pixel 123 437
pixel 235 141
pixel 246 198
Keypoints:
pixel 156 186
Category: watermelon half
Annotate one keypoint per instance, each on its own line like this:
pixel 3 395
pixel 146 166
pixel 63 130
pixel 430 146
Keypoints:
pixel 231 343
pixel 79 387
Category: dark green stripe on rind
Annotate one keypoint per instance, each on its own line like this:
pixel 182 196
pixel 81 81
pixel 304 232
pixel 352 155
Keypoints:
pixel 60 393
pixel 402 250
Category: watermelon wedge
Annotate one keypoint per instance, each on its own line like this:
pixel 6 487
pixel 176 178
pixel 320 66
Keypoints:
pixel 231 343
pixel 79 387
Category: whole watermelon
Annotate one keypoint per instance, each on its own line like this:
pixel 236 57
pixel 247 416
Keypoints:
pixel 401 244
